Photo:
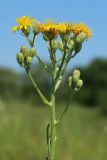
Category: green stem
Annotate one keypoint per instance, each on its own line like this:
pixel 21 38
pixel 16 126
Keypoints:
pixel 62 62
pixel 67 105
pixel 44 100
pixel 53 125
pixel 52 54
pixel 33 40
pixel 43 65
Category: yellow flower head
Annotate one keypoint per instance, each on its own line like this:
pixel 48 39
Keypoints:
pixel 80 27
pixel 50 28
pixel 23 23
pixel 64 27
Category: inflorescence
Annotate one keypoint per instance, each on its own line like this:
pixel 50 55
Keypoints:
pixel 51 28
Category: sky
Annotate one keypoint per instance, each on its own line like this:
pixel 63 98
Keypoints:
pixel 91 12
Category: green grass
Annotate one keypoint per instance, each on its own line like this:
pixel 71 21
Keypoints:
pixel 82 135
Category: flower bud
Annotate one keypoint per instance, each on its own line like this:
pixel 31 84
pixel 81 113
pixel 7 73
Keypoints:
pixel 79 85
pixel 24 50
pixel 29 60
pixel 75 76
pixel 32 52
pixel 20 58
pixel 36 28
pixel 80 37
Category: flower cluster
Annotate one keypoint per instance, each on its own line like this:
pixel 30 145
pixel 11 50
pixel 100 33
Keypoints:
pixel 25 56
pixel 51 29
pixel 74 81
pixel 70 43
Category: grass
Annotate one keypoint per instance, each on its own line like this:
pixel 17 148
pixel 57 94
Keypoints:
pixel 82 135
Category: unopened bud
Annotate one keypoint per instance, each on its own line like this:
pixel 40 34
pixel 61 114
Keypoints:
pixel 80 37
pixel 79 85
pixel 24 50
pixel 20 58
pixel 32 52
pixel 36 28
pixel 29 60
pixel 76 76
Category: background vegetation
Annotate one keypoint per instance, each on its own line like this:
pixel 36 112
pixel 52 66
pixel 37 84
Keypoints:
pixel 15 85
pixel 23 119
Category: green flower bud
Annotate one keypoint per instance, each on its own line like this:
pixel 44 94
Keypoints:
pixel 20 58
pixel 75 76
pixel 78 47
pixel 29 60
pixel 80 37
pixel 32 52
pixel 79 85
pixel 36 28
pixel 24 50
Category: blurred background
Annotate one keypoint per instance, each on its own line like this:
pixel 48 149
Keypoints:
pixel 23 118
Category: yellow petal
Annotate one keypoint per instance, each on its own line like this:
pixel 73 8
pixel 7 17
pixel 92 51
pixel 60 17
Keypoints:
pixel 14 29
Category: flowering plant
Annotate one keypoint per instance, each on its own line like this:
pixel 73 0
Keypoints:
pixel 68 39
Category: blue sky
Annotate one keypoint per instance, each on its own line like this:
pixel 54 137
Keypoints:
pixel 91 12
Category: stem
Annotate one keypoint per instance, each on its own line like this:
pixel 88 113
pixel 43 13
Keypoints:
pixel 62 62
pixel 43 65
pixel 44 100
pixel 53 124
pixel 33 40
pixel 52 54
pixel 67 105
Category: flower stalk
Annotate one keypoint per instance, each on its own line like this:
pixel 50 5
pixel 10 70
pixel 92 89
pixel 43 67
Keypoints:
pixel 53 123
pixel 44 100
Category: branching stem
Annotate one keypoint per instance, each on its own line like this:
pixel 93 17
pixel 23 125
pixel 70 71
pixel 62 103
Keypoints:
pixel 44 100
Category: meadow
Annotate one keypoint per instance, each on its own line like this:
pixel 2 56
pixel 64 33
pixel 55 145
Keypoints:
pixel 82 135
